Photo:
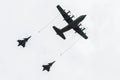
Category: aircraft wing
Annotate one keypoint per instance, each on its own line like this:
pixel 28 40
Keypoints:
pixel 65 15
pixel 80 31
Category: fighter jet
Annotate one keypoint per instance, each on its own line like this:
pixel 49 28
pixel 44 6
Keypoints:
pixel 47 67
pixel 72 24
pixel 23 42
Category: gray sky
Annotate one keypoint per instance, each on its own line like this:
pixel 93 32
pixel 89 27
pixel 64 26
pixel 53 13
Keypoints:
pixel 94 59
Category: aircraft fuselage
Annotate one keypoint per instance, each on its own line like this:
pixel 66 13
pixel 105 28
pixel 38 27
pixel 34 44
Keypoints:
pixel 73 24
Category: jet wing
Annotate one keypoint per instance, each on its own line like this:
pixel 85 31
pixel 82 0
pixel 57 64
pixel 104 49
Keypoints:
pixel 80 31
pixel 65 15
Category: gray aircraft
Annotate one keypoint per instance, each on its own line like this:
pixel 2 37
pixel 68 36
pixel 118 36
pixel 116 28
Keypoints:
pixel 23 42
pixel 47 67
pixel 72 24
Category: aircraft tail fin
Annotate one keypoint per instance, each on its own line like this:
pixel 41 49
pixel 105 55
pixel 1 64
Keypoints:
pixel 59 32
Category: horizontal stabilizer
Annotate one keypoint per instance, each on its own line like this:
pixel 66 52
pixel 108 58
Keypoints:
pixel 59 32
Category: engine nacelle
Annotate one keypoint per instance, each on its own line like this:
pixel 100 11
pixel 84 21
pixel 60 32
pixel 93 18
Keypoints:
pixel 68 12
pixel 83 29
pixel 72 16
pixel 79 24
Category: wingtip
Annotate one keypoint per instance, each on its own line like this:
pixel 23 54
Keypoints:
pixel 86 37
pixel 58 6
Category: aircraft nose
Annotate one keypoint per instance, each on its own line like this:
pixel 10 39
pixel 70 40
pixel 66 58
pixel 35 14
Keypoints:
pixel 84 16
